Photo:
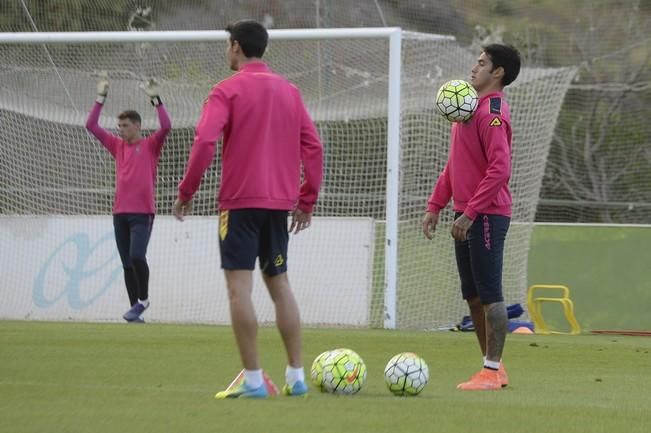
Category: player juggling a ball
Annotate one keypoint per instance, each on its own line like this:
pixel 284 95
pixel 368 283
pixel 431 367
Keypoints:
pixel 476 178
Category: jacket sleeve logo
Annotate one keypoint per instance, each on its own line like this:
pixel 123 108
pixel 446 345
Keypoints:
pixel 496 122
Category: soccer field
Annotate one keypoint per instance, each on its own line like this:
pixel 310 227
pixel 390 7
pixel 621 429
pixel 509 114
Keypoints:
pixel 79 377
pixel 605 267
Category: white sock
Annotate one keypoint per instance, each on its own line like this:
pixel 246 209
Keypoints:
pixel 293 375
pixel 253 378
pixel 144 302
pixel 493 365
pixel 484 360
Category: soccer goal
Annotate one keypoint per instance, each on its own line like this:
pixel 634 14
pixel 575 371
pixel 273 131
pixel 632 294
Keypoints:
pixel 363 263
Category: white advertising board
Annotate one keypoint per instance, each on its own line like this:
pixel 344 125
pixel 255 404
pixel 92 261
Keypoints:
pixel 67 268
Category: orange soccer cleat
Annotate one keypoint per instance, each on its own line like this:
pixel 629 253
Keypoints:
pixel 504 378
pixel 485 380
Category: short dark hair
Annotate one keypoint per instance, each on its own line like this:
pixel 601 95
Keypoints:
pixel 507 57
pixel 131 115
pixel 251 35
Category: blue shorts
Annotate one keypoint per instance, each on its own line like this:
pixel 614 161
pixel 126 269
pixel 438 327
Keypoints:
pixel 132 233
pixel 480 258
pixel 247 234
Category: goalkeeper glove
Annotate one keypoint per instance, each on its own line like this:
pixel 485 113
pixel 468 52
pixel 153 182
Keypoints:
pixel 151 89
pixel 102 88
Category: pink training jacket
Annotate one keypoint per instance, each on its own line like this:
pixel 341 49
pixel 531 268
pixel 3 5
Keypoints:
pixel 267 133
pixel 135 164
pixel 477 173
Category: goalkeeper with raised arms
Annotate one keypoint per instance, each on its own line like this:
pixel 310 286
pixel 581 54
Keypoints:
pixel 136 162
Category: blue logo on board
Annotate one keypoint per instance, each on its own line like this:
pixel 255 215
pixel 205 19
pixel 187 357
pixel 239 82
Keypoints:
pixel 80 275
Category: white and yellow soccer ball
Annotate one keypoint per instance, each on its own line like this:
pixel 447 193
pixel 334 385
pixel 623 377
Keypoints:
pixel 406 374
pixel 457 100
pixel 339 371
pixel 316 372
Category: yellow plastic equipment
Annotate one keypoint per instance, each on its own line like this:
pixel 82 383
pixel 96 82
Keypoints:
pixel 535 308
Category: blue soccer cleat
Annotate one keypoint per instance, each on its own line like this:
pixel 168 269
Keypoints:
pixel 135 312
pixel 299 388
pixel 243 391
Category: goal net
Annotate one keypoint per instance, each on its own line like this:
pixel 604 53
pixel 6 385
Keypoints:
pixel 59 260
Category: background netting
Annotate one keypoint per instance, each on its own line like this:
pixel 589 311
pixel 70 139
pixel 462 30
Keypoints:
pixel 592 124
pixel 599 167
pixel 50 164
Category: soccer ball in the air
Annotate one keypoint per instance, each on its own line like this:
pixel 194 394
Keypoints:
pixel 343 371
pixel 406 374
pixel 457 100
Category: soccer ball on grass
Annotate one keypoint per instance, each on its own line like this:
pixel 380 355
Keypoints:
pixel 339 371
pixel 406 374
pixel 316 372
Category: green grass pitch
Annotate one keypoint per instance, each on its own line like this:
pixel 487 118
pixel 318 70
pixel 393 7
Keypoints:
pixel 606 268
pixel 79 377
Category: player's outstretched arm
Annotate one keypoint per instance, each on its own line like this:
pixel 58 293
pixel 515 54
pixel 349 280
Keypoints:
pixel 498 170
pixel 312 159
pixel 214 116
pixel 102 88
pixel 92 123
pixel 151 89
pixel 439 198
pixel 442 192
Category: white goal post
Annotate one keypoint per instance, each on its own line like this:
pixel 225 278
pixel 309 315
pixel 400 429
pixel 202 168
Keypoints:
pixel 393 34
pixel 371 92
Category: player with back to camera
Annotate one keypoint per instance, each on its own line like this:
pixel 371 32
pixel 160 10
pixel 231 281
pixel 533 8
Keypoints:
pixel 136 161
pixel 267 136
pixel 476 177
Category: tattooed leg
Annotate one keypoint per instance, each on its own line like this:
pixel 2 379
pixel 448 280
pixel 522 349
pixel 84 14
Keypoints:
pixel 496 327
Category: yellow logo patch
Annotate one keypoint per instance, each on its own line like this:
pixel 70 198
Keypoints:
pixel 496 122
pixel 279 260
pixel 223 224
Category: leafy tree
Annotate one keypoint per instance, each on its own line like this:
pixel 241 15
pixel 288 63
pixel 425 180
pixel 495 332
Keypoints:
pixel 596 153
pixel 63 15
